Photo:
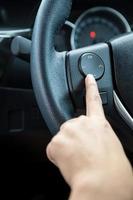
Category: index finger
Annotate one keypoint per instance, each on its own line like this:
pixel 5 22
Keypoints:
pixel 93 99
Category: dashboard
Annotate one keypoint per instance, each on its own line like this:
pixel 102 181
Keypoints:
pixel 94 22
pixel 91 22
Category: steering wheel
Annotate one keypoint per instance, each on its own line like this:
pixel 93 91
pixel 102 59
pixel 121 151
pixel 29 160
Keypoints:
pixel 58 77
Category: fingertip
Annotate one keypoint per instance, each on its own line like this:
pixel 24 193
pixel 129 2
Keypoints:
pixel 90 78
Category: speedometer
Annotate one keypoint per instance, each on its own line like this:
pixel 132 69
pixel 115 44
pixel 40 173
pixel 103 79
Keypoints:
pixel 97 25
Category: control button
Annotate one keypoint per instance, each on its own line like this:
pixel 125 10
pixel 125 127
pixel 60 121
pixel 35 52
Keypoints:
pixel 91 63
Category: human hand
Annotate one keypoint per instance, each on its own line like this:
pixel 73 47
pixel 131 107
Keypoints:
pixel 90 156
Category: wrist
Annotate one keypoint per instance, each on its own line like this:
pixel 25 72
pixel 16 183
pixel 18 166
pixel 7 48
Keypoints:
pixel 81 190
pixel 79 193
pixel 89 188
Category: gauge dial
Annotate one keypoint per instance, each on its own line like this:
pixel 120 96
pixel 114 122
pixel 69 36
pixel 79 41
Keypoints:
pixel 98 25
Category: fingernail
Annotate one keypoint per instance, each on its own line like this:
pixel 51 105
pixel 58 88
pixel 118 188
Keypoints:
pixel 90 78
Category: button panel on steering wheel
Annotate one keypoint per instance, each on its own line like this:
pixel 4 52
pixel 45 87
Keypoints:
pixel 90 60
pixel 91 63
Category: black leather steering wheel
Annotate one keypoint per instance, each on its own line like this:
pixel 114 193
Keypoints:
pixel 58 78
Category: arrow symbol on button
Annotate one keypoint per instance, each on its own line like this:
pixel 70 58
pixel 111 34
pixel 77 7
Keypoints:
pixel 90 57
pixel 101 66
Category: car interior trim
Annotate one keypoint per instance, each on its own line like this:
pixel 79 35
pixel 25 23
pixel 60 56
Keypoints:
pixel 70 24
pixel 14 32
pixel 123 111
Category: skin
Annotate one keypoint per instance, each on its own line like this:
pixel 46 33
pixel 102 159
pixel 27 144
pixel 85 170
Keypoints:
pixel 90 156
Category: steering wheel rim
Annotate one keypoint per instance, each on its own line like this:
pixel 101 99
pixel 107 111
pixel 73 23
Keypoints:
pixel 50 98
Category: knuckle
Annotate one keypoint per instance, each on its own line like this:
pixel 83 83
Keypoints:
pixel 66 126
pixel 82 121
pixel 56 145
pixel 53 149
pixel 55 141
pixel 82 117
pixel 50 151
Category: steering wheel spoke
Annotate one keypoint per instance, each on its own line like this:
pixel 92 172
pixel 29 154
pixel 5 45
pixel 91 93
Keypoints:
pixel 90 60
